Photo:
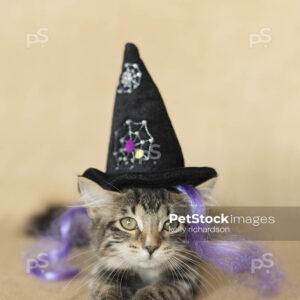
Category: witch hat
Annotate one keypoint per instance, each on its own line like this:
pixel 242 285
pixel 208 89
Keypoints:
pixel 144 150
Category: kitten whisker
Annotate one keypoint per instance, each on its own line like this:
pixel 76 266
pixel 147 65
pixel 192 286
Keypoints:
pixel 196 274
pixel 196 263
pixel 80 254
pixel 185 279
pixel 79 273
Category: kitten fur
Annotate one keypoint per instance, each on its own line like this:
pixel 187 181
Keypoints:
pixel 148 262
pixel 125 268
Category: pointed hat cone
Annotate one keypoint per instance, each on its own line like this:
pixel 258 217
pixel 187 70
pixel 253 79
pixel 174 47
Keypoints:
pixel 143 149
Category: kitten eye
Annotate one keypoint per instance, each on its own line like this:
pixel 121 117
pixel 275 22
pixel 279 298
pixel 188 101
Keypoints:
pixel 128 223
pixel 168 226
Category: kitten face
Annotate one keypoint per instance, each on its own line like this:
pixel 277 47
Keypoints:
pixel 131 229
pixel 150 240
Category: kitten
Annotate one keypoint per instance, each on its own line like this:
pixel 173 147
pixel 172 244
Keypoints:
pixel 140 255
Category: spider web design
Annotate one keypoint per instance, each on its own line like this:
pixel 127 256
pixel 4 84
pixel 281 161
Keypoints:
pixel 130 78
pixel 133 142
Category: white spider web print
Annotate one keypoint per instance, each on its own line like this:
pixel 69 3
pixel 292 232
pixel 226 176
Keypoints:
pixel 130 78
pixel 132 145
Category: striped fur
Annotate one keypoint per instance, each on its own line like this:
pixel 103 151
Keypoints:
pixel 124 268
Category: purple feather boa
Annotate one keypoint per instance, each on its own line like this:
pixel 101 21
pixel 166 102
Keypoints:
pixel 233 257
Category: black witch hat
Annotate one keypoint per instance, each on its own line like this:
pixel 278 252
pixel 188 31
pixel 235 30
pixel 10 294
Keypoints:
pixel 143 150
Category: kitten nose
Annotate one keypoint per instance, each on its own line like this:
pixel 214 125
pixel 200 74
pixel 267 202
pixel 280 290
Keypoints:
pixel 151 249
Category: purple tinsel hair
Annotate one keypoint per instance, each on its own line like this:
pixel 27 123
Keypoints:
pixel 232 257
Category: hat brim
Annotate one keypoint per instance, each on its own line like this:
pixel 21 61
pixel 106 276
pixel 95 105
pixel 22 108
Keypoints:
pixel 158 179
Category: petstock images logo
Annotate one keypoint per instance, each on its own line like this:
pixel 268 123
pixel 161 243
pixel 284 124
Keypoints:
pixel 250 223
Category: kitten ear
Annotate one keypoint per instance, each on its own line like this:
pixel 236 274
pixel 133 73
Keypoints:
pixel 97 200
pixel 206 189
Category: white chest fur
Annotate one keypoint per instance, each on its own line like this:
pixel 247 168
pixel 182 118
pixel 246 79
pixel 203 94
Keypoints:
pixel 149 276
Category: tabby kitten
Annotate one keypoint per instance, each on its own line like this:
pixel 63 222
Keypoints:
pixel 140 255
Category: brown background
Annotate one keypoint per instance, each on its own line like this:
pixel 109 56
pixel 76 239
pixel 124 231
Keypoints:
pixel 234 107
